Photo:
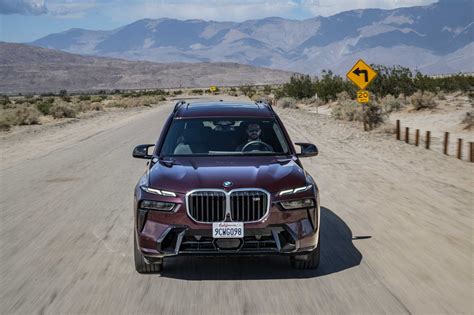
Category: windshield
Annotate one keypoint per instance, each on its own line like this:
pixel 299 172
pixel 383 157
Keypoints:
pixel 224 136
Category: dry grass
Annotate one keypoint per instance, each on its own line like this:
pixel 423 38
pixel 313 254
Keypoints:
pixel 31 110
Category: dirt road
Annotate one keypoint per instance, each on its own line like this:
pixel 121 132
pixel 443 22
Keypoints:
pixel 397 230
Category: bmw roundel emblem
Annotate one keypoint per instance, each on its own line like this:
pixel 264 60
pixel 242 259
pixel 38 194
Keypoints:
pixel 227 184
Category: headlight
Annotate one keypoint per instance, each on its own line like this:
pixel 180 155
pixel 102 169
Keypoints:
pixel 297 204
pixel 157 191
pixel 157 205
pixel 295 190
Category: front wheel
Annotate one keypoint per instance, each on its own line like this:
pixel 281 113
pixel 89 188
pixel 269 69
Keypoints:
pixel 307 261
pixel 141 266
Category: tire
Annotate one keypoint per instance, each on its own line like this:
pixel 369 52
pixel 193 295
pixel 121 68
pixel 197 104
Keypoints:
pixel 311 262
pixel 140 264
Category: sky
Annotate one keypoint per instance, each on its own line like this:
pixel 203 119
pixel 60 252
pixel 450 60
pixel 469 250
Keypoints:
pixel 27 20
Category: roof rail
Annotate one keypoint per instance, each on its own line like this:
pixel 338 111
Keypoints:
pixel 267 104
pixel 178 105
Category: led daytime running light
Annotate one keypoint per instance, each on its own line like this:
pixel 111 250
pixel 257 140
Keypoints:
pixel 158 192
pixel 295 190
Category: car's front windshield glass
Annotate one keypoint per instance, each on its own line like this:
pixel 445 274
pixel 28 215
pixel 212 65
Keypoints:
pixel 224 136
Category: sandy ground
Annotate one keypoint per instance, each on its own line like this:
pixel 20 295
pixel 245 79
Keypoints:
pixel 447 117
pixel 66 228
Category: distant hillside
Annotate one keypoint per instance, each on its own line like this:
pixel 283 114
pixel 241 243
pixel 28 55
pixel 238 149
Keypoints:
pixel 25 68
pixel 436 38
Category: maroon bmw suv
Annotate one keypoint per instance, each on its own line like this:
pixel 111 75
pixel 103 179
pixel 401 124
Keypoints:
pixel 225 179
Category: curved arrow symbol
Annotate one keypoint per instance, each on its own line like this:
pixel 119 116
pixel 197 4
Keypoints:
pixel 357 72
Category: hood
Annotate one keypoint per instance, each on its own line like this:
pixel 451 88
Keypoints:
pixel 270 173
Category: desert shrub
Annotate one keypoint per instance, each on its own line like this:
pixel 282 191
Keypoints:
pixel 347 110
pixel 421 100
pixel 287 102
pixel 27 115
pixel 4 100
pixel 441 96
pixel 63 110
pixel 63 93
pixel 248 90
pixel 343 96
pixel 44 106
pixel 178 92
pixel 373 115
pixel 390 104
pixel 7 119
pixel 88 106
pixel 197 91
pixel 267 89
pixel 313 101
pixel 98 98
pixel 84 97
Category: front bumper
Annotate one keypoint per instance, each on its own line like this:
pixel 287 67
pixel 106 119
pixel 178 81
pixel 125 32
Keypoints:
pixel 162 234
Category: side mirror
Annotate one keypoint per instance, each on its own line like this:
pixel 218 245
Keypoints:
pixel 141 151
pixel 307 150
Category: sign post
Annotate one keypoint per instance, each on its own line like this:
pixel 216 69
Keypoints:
pixel 361 74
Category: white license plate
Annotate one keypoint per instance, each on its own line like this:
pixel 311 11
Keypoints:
pixel 227 229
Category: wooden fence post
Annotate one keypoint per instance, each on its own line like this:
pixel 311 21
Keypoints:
pixel 398 129
pixel 407 135
pixel 446 143
pixel 417 137
pixel 460 148
pixel 428 140
pixel 471 149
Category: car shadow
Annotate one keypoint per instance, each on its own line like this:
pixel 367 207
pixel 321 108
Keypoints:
pixel 337 253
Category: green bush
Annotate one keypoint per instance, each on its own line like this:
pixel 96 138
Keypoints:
pixel 425 100
pixel 299 87
pixel 330 85
pixel 62 110
pixel 84 97
pixel 178 92
pixel 44 106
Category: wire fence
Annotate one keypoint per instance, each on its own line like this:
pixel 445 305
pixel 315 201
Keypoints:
pixel 436 141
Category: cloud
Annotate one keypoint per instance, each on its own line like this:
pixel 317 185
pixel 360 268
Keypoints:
pixel 25 7
pixel 239 10
pixel 71 9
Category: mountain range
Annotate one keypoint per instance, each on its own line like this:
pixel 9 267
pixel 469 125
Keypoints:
pixel 434 39
pixel 27 69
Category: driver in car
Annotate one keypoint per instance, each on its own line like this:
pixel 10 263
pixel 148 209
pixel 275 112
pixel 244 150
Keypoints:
pixel 253 142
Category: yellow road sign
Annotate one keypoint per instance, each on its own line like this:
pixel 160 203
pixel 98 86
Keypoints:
pixel 363 96
pixel 213 88
pixel 361 74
